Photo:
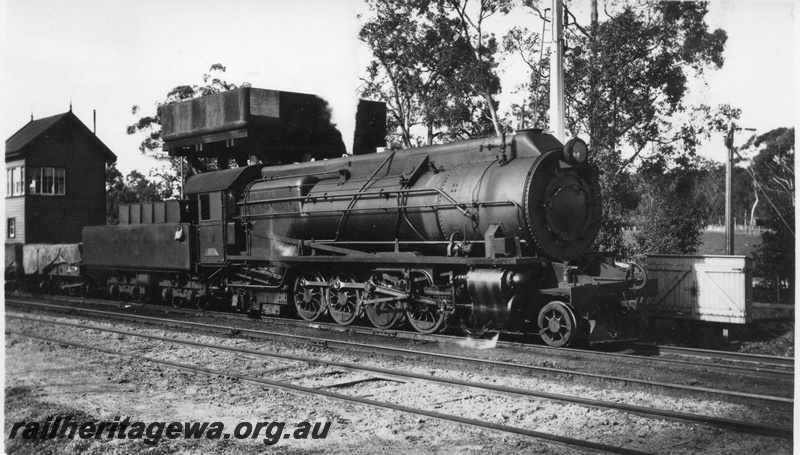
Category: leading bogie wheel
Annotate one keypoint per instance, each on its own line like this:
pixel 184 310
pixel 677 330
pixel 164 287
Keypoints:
pixel 309 300
pixel 557 325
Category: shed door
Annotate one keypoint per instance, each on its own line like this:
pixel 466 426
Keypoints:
pixel 721 294
pixel 211 232
pixel 675 290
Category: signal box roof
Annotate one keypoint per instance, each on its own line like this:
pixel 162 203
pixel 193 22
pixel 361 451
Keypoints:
pixel 18 144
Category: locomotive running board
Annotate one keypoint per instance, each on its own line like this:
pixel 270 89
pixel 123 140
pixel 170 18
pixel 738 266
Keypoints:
pixel 395 259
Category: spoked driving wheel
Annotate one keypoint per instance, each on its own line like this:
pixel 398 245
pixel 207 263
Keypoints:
pixel 343 302
pixel 309 299
pixel 424 317
pixel 387 314
pixel 557 324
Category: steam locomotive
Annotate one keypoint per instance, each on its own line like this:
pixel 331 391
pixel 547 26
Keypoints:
pixel 484 235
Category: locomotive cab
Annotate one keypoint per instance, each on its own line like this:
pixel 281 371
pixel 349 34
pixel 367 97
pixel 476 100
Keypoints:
pixel 219 235
pixel 210 227
pixel 216 194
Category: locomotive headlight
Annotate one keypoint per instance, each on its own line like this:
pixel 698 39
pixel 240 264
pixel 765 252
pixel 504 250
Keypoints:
pixel 576 151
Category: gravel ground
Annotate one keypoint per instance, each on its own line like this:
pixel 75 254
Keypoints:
pixel 46 379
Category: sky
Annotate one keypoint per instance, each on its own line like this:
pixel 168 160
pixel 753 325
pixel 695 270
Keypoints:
pixel 111 55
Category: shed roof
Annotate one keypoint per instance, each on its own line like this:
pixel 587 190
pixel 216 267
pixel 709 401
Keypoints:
pixel 16 144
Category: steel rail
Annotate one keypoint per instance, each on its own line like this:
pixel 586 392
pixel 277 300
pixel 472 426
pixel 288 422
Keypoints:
pixel 735 425
pixel 755 371
pixel 287 387
pixel 725 355
pixel 402 351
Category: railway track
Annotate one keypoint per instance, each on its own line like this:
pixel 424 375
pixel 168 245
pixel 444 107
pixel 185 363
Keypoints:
pixel 781 368
pixel 756 366
pixel 316 392
pixel 332 343
pixel 728 424
pixel 760 361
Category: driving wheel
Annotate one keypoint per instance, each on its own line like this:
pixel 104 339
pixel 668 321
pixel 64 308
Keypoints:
pixel 343 303
pixel 385 315
pixel 425 318
pixel 309 301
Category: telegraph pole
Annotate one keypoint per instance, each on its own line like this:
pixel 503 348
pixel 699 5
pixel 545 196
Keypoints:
pixel 729 225
pixel 557 72
pixel 729 191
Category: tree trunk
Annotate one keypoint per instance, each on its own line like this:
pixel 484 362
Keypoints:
pixel 490 101
pixel 406 136
pixel 753 209
pixel 592 83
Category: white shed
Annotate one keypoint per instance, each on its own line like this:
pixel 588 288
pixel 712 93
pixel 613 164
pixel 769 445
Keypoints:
pixel 702 288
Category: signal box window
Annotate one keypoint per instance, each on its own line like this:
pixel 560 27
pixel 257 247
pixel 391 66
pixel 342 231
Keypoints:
pixel 15 181
pixel 11 228
pixel 205 207
pixel 47 180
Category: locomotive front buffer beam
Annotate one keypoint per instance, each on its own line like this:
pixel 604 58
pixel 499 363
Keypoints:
pixel 595 309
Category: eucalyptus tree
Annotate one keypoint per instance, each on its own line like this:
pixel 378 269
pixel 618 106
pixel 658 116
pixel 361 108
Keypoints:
pixel 434 65
pixel 626 91
pixel 774 179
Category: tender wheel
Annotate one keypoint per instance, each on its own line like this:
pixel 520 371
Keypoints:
pixel 385 315
pixel 557 324
pixel 309 301
pixel 201 302
pixel 423 317
pixel 343 304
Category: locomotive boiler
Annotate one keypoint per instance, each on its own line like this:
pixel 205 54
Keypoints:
pixel 486 234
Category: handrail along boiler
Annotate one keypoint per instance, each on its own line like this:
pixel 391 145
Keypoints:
pixel 486 234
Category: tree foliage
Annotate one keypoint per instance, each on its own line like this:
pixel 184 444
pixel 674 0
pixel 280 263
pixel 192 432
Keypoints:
pixel 131 189
pixel 628 88
pixel 529 47
pixel 627 91
pixel 773 167
pixel 676 211
pixel 773 170
pixel 434 65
